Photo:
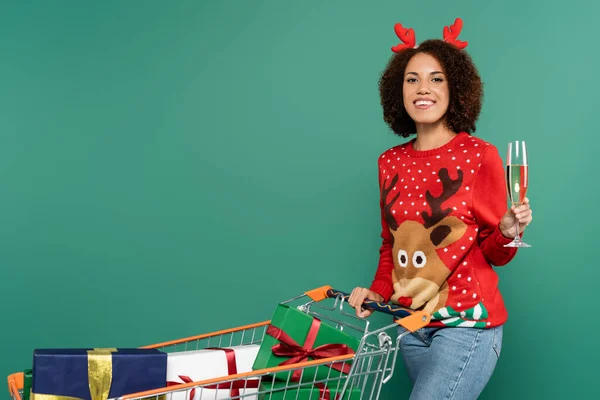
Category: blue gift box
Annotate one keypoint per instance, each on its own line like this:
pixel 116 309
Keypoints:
pixel 96 374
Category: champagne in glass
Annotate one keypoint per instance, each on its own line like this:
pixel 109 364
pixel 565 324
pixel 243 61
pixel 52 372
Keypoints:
pixel 517 181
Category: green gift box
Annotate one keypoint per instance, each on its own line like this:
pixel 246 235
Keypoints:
pixel 277 391
pixel 294 336
pixel 27 376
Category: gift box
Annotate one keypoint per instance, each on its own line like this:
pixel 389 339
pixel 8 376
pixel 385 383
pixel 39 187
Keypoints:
pixel 96 374
pixel 319 391
pixel 199 365
pixel 294 336
pixel 27 376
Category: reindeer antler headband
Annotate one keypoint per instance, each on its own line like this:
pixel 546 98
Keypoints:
pixel 407 36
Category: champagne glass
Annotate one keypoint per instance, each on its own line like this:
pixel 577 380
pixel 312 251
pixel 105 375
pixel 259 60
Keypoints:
pixel 517 181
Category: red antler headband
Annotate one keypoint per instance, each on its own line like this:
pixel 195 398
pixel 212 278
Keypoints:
pixel 407 36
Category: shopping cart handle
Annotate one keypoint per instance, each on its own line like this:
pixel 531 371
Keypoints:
pixel 391 309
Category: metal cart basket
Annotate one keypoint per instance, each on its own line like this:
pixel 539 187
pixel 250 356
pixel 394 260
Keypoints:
pixel 371 366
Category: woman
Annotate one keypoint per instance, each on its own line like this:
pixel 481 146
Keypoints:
pixel 444 218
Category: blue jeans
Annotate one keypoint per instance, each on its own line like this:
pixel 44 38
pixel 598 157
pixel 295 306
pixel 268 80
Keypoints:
pixel 450 363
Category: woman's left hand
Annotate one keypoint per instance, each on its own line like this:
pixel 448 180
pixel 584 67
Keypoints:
pixel 522 214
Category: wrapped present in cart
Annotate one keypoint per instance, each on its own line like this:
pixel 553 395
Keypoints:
pixel 311 349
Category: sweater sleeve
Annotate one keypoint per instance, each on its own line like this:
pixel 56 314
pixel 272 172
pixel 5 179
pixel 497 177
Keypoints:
pixel 382 282
pixel 489 205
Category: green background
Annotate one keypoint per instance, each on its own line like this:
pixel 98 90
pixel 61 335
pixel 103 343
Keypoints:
pixel 162 161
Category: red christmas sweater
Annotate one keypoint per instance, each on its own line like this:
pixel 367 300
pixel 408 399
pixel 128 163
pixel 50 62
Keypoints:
pixel 440 212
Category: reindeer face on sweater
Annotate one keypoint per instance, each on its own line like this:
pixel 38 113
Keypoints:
pixel 419 275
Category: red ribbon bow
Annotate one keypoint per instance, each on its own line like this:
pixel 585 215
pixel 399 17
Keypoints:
pixel 295 353
pixel 234 386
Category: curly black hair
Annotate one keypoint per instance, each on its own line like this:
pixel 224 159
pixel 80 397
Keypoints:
pixel 464 83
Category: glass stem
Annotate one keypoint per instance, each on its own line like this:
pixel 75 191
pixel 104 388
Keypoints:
pixel 517 236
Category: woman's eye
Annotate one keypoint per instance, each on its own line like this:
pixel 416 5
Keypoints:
pixel 438 79
pixel 411 80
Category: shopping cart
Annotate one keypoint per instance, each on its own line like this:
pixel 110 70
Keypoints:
pixel 371 366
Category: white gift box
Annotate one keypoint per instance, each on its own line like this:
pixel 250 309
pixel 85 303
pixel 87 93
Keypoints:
pixel 199 365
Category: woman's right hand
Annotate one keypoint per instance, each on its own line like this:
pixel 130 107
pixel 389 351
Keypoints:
pixel 358 296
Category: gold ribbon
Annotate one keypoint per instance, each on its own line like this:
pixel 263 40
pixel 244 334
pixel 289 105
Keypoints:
pixel 99 377
pixel 100 372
